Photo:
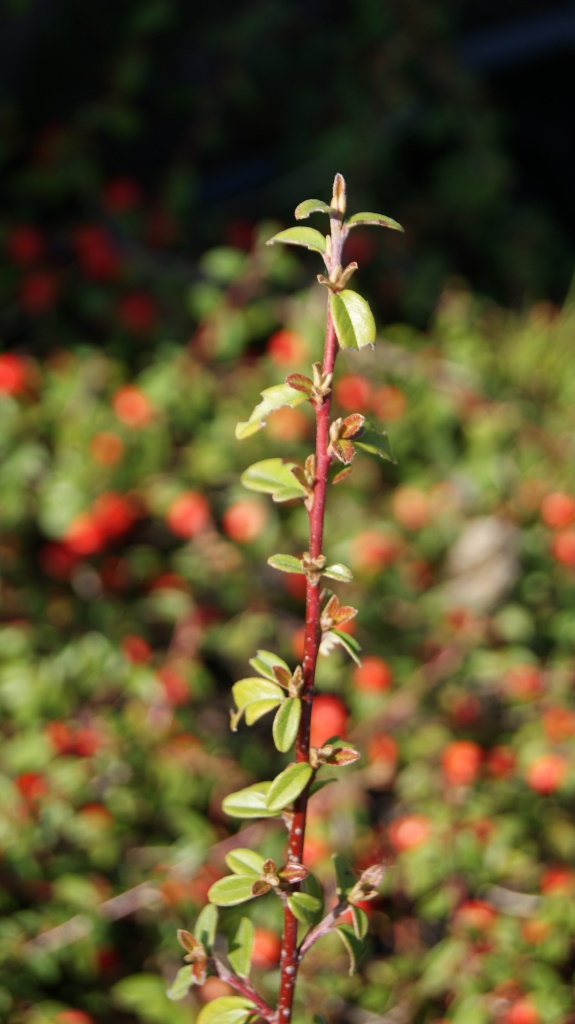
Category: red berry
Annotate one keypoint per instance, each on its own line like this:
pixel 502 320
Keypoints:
pixel 546 773
pixel 106 448
pixel 382 749
pixel 409 831
pixel 32 786
pixel 136 649
pixel 132 406
pixel 557 880
pixel 114 514
pixel 523 682
pixel 287 348
pixel 24 245
pixel 523 1011
pixel 460 762
pixel 410 507
pixel 266 948
pixel 372 676
pixel 13 374
pixel 558 510
pixel 352 393
pixel 137 312
pixel 188 514
pixel 244 520
pixel 175 686
pixel 388 403
pixel 373 550
pixel 84 535
pixel 38 291
pixel 121 195
pixel 475 915
pixel 328 718
pixel 500 762
pixel 563 548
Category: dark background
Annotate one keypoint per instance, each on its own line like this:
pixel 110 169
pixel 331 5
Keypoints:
pixel 454 118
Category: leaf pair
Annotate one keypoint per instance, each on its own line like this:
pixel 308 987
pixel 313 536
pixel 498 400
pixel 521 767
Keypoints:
pixel 269 799
pixel 257 695
pixel 289 563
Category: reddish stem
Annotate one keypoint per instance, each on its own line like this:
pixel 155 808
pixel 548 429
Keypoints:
pixel 289 961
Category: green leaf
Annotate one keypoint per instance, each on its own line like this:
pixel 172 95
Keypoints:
pixel 288 785
pixel 303 210
pixel 373 218
pixel 304 907
pixel 276 397
pixel 338 572
pixel 286 723
pixel 345 878
pixel 376 443
pixel 354 946
pixel 246 691
pixel 258 709
pixel 226 1010
pixel 313 887
pixel 206 925
pixel 349 643
pixel 308 237
pixel 286 563
pixel 249 802
pixel 273 476
pixel 240 947
pixel 181 984
pixel 352 318
pixel 265 662
pixel 360 922
pixel 244 861
pixel 231 890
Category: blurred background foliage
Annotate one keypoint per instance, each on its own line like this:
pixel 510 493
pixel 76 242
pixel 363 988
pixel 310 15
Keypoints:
pixel 144 148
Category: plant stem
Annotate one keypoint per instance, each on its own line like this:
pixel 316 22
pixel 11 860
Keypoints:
pixel 289 961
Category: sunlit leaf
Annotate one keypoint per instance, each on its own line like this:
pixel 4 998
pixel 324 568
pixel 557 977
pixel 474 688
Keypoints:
pixel 288 785
pixel 276 397
pixel 303 210
pixel 231 890
pixel 181 984
pixel 273 476
pixel 373 218
pixel 360 922
pixel 308 237
pixel 246 691
pixel 265 662
pixel 349 643
pixel 286 723
pixel 338 572
pixel 226 1010
pixel 206 925
pixel 244 861
pixel 376 443
pixel 240 947
pixel 249 802
pixel 260 708
pixel 305 907
pixel 286 563
pixel 352 318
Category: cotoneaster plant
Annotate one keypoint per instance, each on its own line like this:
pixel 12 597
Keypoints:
pixel 288 692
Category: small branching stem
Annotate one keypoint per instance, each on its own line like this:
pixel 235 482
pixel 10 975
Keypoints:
pixel 241 985
pixel 290 956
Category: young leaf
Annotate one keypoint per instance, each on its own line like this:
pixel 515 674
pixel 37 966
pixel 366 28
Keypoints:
pixel 373 218
pixel 308 237
pixel 276 397
pixel 245 862
pixel 288 785
pixel 240 947
pixel 300 382
pixel 249 802
pixel 231 890
pixel 226 1010
pixel 353 945
pixel 258 709
pixel 305 907
pixel 376 443
pixel 343 473
pixel 273 476
pixel 206 925
pixel 343 450
pixel 265 662
pixel 303 210
pixel 352 318
pixel 338 572
pixel 246 691
pixel 286 563
pixel 181 984
pixel 286 723
pixel 344 875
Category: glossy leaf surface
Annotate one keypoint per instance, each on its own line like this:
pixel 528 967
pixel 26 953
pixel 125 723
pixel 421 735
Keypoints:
pixel 246 691
pixel 303 210
pixel 308 237
pixel 353 319
pixel 240 947
pixel 286 563
pixel 353 945
pixel 226 1010
pixel 244 861
pixel 273 476
pixel 231 890
pixel 376 443
pixel 287 786
pixel 378 219
pixel 249 802
pixel 264 662
pixel 305 907
pixel 338 572
pixel 181 984
pixel 206 925
pixel 276 397
pixel 286 723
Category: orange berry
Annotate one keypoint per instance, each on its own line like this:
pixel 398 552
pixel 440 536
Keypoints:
pixel 266 948
pixel 287 348
pixel 558 510
pixel 382 749
pixel 475 915
pixel 410 507
pixel 546 773
pixel 132 407
pixel 388 403
pixel 500 762
pixel 523 682
pixel 244 521
pixel 13 374
pixel 372 676
pixel 460 762
pixel 84 535
pixel 409 831
pixel 328 718
pixel 106 448
pixel 188 514
pixel 523 1011
pixel 563 548
pixel 352 392
pixel 287 424
pixel 373 550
